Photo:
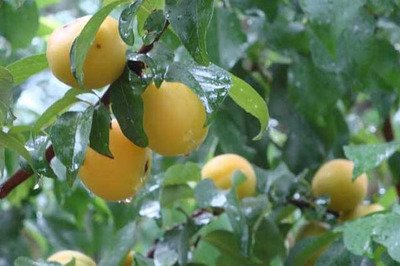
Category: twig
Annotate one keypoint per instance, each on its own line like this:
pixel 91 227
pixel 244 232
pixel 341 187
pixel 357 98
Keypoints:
pixel 302 204
pixel 22 175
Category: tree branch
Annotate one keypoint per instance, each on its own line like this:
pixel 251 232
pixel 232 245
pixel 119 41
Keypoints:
pixel 22 175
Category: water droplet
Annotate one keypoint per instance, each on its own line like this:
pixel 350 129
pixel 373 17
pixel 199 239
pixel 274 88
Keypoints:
pixel 218 200
pixel 150 209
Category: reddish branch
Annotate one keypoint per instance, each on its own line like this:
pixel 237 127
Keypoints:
pixel 22 175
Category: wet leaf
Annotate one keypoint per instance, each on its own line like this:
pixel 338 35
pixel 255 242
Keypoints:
pixel 70 138
pixel 190 20
pixel 369 156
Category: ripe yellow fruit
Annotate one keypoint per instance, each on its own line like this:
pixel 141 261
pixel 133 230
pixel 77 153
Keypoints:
pixel 221 169
pixel 313 229
pixel 174 119
pixel 105 60
pixel 65 256
pixel 334 179
pixel 119 178
pixel 362 210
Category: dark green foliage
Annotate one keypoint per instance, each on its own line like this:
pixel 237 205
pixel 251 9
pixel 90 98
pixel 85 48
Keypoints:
pixel 288 85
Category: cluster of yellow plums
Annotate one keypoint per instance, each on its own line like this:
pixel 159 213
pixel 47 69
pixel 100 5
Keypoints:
pixel 174 119
pixel 334 180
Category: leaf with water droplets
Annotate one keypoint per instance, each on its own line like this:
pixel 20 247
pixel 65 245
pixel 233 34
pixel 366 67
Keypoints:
pixel 70 138
pixel 145 10
pixel 338 254
pixel 210 83
pixel 37 148
pixel 248 99
pixel 367 157
pixel 127 107
pixel 127 22
pixel 190 20
pixel 357 234
pixel 153 26
pixel 207 195
pixel 387 233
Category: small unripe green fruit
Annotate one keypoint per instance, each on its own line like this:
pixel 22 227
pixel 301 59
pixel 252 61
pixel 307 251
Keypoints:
pixel 334 179
pixel 65 256
pixel 221 169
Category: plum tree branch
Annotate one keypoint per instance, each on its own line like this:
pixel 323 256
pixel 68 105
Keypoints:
pixel 22 175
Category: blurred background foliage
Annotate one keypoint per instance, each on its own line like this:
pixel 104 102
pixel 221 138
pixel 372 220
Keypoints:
pixel 330 73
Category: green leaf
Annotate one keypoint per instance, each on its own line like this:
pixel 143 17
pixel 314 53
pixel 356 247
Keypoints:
pixel 181 174
pixel 232 136
pixel 190 20
pixel 227 245
pixel 387 233
pixel 328 22
pixel 37 149
pixel 210 83
pixel 119 247
pixel 367 157
pixel 14 144
pixel 305 249
pixel 19 25
pixel 153 26
pixel 226 42
pixel 337 254
pixel 23 261
pixel 207 195
pixel 70 138
pixel 145 10
pixel 6 84
pixel 27 67
pixel 127 22
pixel 127 107
pixel 268 242
pixel 305 83
pixel 175 193
pixel 357 234
pixel 100 132
pixel 248 99
pixel 57 108
pixel 84 41
pixel 174 247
